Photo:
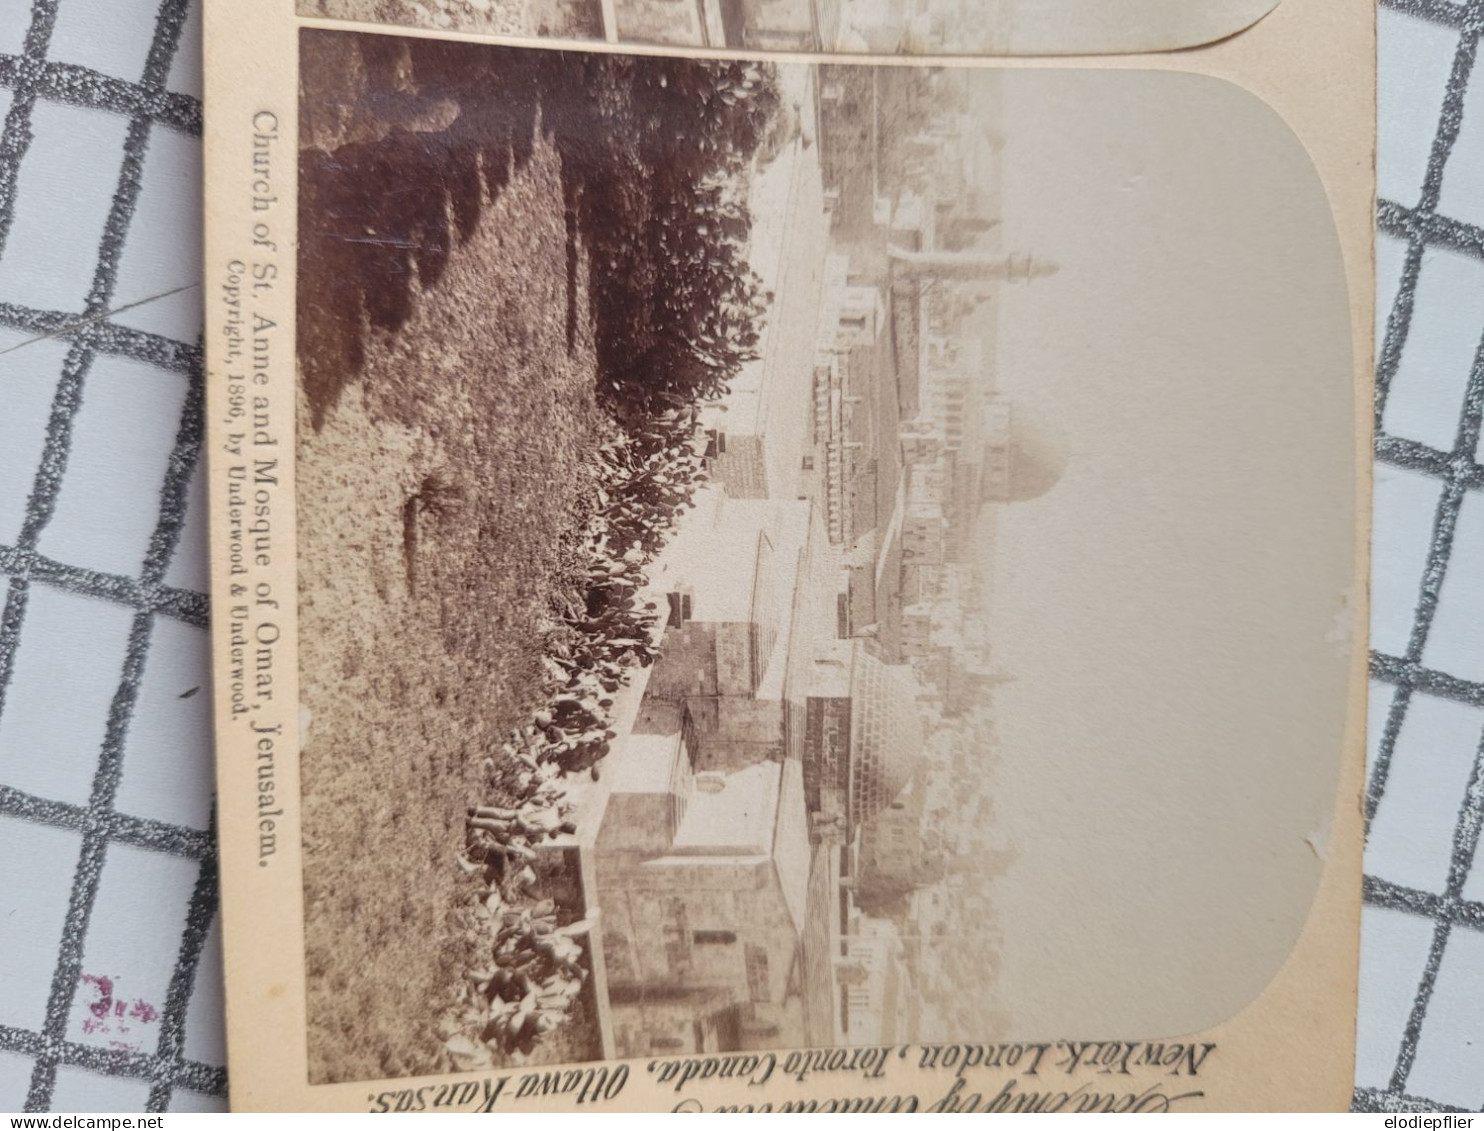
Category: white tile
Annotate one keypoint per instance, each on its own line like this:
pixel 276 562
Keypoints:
pixel 15 19
pixel 110 37
pixel 1391 254
pixel 1411 838
pixel 1464 173
pixel 1405 506
pixel 1378 707
pixel 28 378
pixel 182 1100
pixel 79 1090
pixel 1393 950
pixel 36 871
pixel 189 564
pixel 185 71
pixel 1455 643
pixel 1428 389
pixel 52 251
pixel 15 1080
pixel 1413 60
pixel 1450 1051
pixel 68 668
pixel 167 753
pixel 122 438
pixel 163 252
pixel 1473 887
pixel 205 1035
pixel 132 944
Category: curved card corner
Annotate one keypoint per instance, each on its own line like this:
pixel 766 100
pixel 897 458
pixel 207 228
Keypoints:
pixel 1067 27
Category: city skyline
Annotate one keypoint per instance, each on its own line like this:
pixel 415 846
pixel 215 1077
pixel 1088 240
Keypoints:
pixel 902 449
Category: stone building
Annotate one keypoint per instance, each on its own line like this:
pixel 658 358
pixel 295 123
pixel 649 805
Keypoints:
pixel 702 881
pixel 873 972
pixel 748 754
pixel 897 852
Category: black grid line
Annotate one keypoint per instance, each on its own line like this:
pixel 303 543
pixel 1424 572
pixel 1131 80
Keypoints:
pixel 169 1055
pixel 121 828
pixel 1399 897
pixel 1376 1101
pixel 189 1074
pixel 147 104
pixel 1414 677
pixel 79 86
pixel 15 137
pixel 104 337
pixel 181 604
pixel 1459 474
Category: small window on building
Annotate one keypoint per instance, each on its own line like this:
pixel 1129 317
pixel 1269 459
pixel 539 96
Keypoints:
pixel 702 938
pixel 808 463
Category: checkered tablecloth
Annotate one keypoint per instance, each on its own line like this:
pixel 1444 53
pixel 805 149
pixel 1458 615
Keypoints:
pixel 110 970
pixel 110 992
pixel 1421 1027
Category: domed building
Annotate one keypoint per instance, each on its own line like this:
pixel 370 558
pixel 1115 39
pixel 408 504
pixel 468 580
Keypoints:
pixel 753 749
pixel 886 734
pixel 1022 461
pixel 864 737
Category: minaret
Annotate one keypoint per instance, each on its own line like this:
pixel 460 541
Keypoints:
pixel 969 265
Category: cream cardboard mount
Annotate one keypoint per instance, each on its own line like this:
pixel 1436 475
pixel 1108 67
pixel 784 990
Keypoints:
pixel 752 578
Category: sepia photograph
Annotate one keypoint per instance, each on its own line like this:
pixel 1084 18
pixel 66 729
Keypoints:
pixel 805 555
pixel 847 27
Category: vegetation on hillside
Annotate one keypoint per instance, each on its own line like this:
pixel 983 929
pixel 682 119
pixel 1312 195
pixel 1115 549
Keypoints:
pixel 654 156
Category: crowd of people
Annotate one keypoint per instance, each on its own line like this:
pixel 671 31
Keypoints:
pixel 641 486
pixel 603 630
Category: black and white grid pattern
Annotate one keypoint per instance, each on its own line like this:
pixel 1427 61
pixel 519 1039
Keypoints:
pixel 1422 983
pixel 110 994
pixel 109 980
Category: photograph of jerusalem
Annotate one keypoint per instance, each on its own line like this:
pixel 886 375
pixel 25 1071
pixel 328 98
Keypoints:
pixel 647 452
pixel 805 556
pixel 879 27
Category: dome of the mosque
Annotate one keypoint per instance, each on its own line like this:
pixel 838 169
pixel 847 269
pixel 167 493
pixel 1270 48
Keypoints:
pixel 1035 467
pixel 1023 459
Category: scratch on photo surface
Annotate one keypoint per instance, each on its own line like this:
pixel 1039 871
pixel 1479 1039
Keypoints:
pixel 82 323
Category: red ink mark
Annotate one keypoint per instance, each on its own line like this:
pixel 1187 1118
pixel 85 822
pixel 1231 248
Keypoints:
pixel 108 1015
pixel 104 986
